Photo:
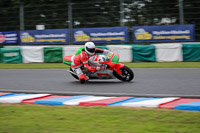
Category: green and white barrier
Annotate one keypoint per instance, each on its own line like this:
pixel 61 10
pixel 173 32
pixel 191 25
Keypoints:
pixel 191 52
pixel 71 49
pixel 168 52
pixel 124 51
pixel 53 54
pixel 10 55
pixel 163 52
pixel 32 54
pixel 143 53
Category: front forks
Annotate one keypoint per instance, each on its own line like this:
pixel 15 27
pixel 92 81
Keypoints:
pixel 118 67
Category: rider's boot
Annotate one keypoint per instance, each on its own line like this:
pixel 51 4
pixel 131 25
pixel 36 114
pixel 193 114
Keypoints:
pixel 82 78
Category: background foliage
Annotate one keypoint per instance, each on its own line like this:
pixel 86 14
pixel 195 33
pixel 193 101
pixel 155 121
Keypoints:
pixel 97 13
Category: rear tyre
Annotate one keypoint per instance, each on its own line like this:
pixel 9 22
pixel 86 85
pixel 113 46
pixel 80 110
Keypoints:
pixel 82 81
pixel 75 76
pixel 127 74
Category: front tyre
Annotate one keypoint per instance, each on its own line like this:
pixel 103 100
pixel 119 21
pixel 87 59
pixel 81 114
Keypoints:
pixel 127 74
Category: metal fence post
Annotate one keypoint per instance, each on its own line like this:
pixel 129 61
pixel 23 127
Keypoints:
pixel 181 13
pixel 121 13
pixel 70 32
pixel 21 14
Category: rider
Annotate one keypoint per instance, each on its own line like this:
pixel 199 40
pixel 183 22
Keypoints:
pixel 81 59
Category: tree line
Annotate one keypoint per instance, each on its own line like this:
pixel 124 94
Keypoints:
pixel 97 13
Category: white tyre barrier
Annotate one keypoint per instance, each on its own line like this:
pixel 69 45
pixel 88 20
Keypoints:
pixel 71 50
pixel 168 52
pixel 32 54
pixel 124 51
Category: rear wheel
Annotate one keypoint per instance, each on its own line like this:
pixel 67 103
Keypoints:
pixel 127 74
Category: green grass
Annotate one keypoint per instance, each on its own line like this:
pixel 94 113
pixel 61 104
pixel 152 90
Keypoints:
pixel 26 118
pixel 131 65
pixel 29 118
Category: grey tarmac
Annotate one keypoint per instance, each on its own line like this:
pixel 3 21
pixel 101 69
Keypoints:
pixel 148 82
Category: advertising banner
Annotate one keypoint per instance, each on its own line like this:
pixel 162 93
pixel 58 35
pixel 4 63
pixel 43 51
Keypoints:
pixel 167 33
pixel 101 35
pixel 54 36
pixel 8 37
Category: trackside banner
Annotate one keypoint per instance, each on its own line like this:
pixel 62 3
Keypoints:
pixel 9 37
pixel 101 35
pixel 168 33
pixel 54 36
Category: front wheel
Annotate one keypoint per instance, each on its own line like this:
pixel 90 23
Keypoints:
pixel 127 74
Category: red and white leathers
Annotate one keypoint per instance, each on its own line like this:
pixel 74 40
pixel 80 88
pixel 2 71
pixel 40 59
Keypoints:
pixel 82 60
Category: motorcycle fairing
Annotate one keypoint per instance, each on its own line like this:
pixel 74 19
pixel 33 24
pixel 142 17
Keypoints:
pixel 108 74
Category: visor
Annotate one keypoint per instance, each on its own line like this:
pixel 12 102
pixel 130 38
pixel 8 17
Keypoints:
pixel 91 50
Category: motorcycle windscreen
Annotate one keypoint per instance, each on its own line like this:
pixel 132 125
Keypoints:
pixel 112 57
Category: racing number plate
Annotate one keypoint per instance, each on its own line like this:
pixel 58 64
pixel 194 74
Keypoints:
pixel 109 55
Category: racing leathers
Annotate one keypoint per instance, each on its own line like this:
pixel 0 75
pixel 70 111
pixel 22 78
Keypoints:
pixel 81 59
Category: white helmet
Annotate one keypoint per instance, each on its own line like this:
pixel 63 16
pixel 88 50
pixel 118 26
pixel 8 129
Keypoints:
pixel 90 48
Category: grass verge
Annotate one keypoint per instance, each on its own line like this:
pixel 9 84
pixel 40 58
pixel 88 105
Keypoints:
pixel 131 65
pixel 30 118
pixel 26 118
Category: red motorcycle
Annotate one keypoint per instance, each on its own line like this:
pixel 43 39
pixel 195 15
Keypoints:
pixel 112 70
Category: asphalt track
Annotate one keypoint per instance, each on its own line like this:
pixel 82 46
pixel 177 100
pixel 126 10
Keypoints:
pixel 159 82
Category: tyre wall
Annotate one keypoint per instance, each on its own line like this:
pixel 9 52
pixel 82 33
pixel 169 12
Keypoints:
pixel 163 52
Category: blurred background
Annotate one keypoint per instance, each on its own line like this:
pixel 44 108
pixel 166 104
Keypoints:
pixel 172 24
pixel 60 14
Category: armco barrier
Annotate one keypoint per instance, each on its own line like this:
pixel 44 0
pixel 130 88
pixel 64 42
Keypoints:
pixel 90 100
